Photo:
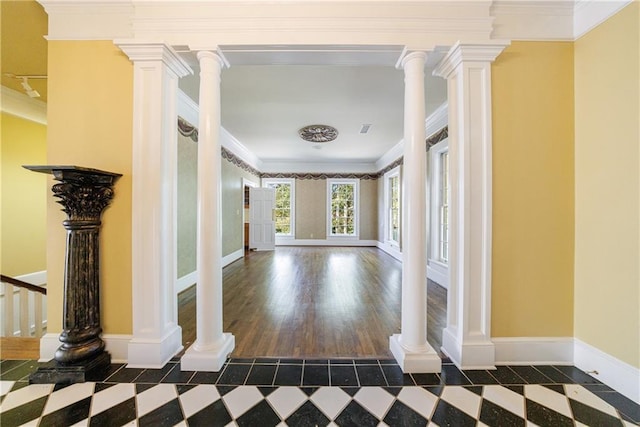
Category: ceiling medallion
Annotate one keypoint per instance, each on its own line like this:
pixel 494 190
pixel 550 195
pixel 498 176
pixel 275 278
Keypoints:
pixel 318 133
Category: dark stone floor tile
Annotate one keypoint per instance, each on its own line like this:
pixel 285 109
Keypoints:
pixel 480 376
pixel 343 375
pixel 291 361
pixel 395 376
pixel 155 375
pixel 577 375
pixel 590 416
pixel 234 374
pixel 543 416
pixel 201 377
pixel 125 375
pixel 261 375
pixel 243 361
pixel 288 375
pixel 307 415
pixel 266 361
pixel 24 413
pixel 118 415
pixel 69 415
pixel 451 375
pixel 623 404
pixel 21 371
pixel 366 362
pixel 426 379
pixel 316 361
pixel 448 415
pixel 341 362
pixel 388 361
pixel 554 375
pixel 495 415
pixel 355 415
pixel 7 365
pixel 370 375
pixel 531 375
pixel 402 415
pixel 168 414
pixel 260 415
pixel 504 375
pixel 178 376
pixel 214 415
pixel 315 375
pixel 102 375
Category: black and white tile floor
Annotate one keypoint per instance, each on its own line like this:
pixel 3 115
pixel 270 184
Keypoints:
pixel 287 392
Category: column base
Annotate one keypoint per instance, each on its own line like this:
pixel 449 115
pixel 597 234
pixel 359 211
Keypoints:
pixel 424 361
pixel 54 372
pixel 476 355
pixel 154 353
pixel 208 360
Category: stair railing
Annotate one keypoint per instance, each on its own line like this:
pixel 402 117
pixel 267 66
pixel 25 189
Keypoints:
pixel 30 311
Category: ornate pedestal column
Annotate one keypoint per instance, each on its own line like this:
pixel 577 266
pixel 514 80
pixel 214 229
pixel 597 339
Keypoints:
pixel 84 193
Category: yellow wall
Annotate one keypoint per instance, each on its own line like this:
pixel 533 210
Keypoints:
pixel 24 197
pixel 607 188
pixel 90 124
pixel 533 177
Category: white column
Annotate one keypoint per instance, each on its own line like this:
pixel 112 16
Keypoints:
pixel 410 347
pixel 212 346
pixel 467 337
pixel 156 334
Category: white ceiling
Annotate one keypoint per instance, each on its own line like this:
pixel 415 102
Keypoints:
pixel 264 106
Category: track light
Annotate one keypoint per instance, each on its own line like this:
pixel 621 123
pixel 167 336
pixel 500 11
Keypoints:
pixel 27 88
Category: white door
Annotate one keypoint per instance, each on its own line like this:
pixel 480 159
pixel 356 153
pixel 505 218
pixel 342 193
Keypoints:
pixel 262 226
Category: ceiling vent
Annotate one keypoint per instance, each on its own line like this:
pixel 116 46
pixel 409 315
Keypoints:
pixel 365 128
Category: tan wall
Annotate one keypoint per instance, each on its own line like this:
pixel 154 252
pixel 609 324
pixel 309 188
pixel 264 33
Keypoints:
pixel 311 209
pixel 233 206
pixel 607 187
pixel 533 183
pixel 24 197
pixel 369 209
pixel 187 204
pixel 90 112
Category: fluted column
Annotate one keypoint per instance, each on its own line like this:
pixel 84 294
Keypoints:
pixel 410 347
pixel 467 337
pixel 212 346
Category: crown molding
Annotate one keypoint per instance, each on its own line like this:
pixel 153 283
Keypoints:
pixel 230 142
pixel 149 51
pixel 20 105
pixel 438 119
pixel 532 20
pixel 588 14
pixel 188 109
pixel 467 52
pixel 270 167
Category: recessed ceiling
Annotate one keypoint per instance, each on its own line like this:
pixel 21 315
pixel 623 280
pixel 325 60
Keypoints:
pixel 264 106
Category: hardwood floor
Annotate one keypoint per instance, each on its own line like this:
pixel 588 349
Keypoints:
pixel 314 302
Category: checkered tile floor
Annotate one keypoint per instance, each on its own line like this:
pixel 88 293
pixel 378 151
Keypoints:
pixel 252 393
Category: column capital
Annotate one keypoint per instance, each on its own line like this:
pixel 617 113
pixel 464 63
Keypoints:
pixel 468 52
pixel 405 58
pixel 155 51
pixel 214 53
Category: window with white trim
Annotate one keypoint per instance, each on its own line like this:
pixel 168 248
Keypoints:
pixel 439 198
pixel 284 204
pixel 443 207
pixel 392 206
pixel 342 204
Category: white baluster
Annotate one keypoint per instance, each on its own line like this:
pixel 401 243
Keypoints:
pixel 38 314
pixel 24 313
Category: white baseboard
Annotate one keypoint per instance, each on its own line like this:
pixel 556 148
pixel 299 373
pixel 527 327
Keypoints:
pixel 615 373
pixel 233 256
pixel 438 272
pixel 116 345
pixel 534 350
pixel 392 250
pixel 468 355
pixel 186 281
pixel 329 242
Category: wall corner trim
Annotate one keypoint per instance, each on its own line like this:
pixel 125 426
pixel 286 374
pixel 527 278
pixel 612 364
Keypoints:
pixel 608 369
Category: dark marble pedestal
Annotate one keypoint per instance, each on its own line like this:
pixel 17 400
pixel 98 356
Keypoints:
pixel 84 194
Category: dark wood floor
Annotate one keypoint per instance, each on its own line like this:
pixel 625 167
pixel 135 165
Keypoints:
pixel 314 302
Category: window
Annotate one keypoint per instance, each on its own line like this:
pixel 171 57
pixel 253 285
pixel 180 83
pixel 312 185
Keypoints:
pixel 443 205
pixel 392 206
pixel 343 207
pixel 284 203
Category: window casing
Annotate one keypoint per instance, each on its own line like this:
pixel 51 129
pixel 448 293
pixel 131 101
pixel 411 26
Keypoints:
pixel 342 207
pixel 392 206
pixel 443 207
pixel 284 213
